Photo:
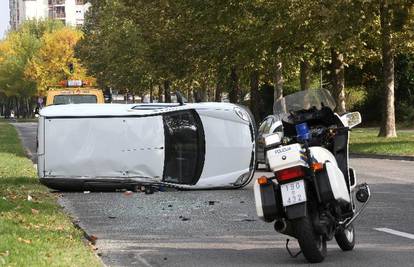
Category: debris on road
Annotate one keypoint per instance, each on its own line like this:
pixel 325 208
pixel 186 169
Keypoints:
pixel 149 190
pixel 112 217
pixel 128 193
pixel 86 192
pixel 92 239
pixel 29 198
pixel 184 218
pixel 248 220
pixel 211 202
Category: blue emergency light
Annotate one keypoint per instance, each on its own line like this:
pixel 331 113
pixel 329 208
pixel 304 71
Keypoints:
pixel 302 131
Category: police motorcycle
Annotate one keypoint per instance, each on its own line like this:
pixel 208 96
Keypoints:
pixel 311 196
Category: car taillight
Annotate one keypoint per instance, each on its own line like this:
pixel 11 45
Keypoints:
pixel 290 173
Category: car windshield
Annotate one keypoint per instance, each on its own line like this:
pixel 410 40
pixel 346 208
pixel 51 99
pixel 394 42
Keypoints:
pixel 304 100
pixel 74 99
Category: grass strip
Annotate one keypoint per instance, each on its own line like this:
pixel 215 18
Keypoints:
pixel 34 231
pixel 365 140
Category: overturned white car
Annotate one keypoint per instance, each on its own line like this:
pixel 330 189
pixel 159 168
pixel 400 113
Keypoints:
pixel 203 145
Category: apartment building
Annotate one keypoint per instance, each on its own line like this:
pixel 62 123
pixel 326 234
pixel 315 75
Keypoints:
pixel 71 12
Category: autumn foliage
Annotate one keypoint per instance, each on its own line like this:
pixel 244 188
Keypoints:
pixel 51 62
pixel 32 59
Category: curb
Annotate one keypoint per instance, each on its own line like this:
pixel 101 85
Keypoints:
pixel 27 151
pixel 88 240
pixel 379 156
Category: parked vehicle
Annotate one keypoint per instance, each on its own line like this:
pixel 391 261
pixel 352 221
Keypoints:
pixel 203 145
pixel 270 125
pixel 311 196
pixel 73 92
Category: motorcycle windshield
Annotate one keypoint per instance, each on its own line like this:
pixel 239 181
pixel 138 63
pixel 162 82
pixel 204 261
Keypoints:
pixel 304 100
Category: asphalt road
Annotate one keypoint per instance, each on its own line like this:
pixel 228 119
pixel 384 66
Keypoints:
pixel 220 228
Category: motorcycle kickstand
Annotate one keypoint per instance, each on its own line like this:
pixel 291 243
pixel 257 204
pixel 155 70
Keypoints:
pixel 289 251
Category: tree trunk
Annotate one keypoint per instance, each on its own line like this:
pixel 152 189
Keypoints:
pixel 197 94
pixel 278 82
pixel 254 94
pixel 338 80
pixel 209 93
pixel 200 93
pixel 18 110
pixel 234 94
pixel 221 73
pixel 189 96
pixel 159 94
pixel 304 75
pixel 387 128
pixel 151 93
pixel 217 94
pixel 167 93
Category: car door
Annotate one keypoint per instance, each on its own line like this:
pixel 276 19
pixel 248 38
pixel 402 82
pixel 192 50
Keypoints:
pixel 184 147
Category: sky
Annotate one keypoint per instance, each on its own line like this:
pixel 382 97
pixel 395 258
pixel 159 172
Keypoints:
pixel 4 17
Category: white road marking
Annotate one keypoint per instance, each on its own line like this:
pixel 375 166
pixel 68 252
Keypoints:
pixel 395 232
pixel 142 260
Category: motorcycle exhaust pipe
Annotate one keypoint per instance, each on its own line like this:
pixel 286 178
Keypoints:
pixel 281 226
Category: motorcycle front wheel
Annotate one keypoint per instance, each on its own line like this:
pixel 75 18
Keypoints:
pixel 346 238
pixel 312 245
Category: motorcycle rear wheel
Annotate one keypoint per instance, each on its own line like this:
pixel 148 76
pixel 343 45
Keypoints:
pixel 346 238
pixel 312 245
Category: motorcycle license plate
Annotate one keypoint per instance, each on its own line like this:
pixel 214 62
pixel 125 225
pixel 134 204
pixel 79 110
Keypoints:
pixel 293 193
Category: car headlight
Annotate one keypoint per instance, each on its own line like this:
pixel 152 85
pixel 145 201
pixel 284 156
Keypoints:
pixel 242 179
pixel 242 114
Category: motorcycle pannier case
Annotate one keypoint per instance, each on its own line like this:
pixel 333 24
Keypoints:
pixel 332 185
pixel 268 201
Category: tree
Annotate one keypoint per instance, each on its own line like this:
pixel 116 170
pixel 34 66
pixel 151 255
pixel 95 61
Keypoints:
pixel 210 48
pixel 15 52
pixel 113 49
pixel 396 22
pixel 32 57
pixel 52 62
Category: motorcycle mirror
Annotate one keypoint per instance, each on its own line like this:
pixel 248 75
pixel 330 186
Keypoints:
pixel 351 119
pixel 272 140
pixel 36 112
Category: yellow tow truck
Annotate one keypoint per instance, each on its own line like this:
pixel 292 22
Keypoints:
pixel 73 92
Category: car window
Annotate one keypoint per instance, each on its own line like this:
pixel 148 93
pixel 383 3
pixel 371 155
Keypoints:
pixel 74 99
pixel 184 147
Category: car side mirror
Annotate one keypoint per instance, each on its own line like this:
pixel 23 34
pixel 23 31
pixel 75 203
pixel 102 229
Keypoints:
pixel 351 119
pixel 272 140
